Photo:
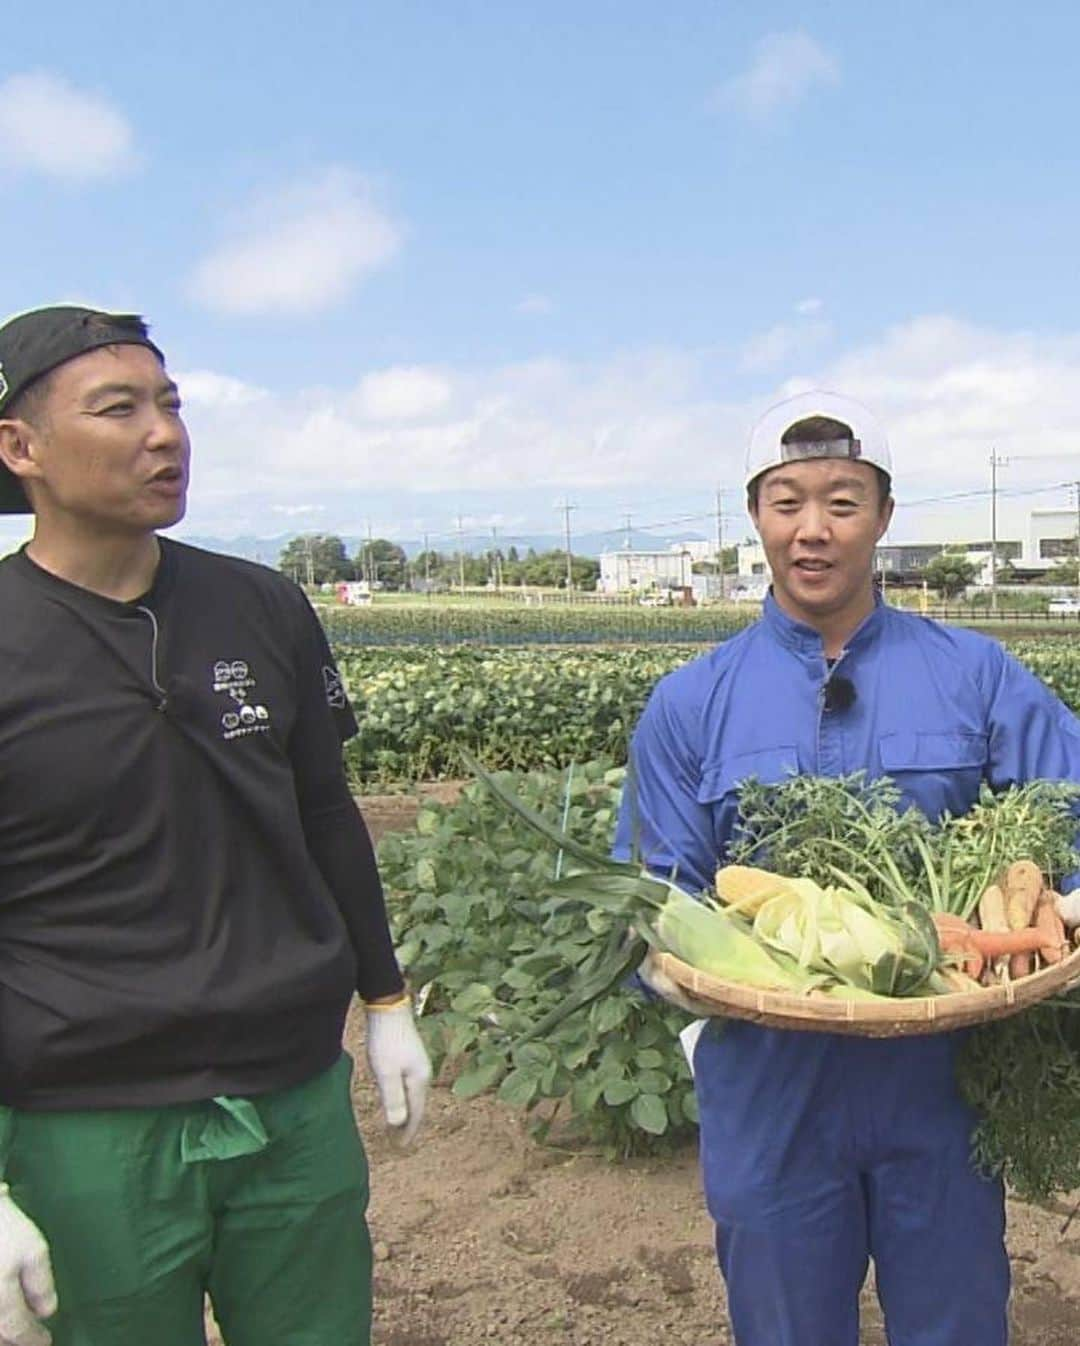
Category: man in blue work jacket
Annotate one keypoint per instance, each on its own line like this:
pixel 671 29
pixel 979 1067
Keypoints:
pixel 820 1151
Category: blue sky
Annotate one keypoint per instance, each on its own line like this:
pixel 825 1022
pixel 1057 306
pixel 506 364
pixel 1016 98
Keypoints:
pixel 411 261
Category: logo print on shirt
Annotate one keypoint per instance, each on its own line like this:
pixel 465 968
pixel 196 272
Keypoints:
pixel 233 678
pixel 335 688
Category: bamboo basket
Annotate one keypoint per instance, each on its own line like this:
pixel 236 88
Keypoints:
pixel 903 1017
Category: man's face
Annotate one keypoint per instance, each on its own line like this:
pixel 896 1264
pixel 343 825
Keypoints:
pixel 819 521
pixel 109 450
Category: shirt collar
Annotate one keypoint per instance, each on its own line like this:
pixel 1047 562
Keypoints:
pixel 803 639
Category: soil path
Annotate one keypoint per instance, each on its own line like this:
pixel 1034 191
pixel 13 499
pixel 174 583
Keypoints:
pixel 483 1237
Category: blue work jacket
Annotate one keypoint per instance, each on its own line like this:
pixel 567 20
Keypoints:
pixel 937 708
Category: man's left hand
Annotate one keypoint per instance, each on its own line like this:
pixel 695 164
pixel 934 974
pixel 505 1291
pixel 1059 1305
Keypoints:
pixel 399 1063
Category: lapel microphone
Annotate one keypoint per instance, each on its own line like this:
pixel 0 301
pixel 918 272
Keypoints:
pixel 839 693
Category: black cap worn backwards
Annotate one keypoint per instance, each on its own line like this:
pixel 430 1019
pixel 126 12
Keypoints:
pixel 33 344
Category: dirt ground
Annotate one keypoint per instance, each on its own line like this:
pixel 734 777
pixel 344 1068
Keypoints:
pixel 482 1236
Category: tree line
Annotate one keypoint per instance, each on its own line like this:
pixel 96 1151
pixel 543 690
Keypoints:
pixel 321 558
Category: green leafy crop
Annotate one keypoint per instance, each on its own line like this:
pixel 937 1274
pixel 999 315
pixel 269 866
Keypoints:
pixel 474 922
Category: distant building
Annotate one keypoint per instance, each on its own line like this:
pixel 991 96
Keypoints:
pixel 698 550
pixel 901 562
pixel 898 563
pixel 1051 536
pixel 751 562
pixel 904 558
pixel 623 572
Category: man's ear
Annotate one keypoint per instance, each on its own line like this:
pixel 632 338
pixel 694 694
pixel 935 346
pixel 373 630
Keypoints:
pixel 886 517
pixel 16 449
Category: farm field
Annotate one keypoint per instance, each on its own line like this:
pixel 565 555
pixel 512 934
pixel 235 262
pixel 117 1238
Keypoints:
pixel 533 707
pixel 549 619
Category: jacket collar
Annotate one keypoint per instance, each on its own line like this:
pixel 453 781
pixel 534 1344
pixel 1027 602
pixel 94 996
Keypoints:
pixel 804 640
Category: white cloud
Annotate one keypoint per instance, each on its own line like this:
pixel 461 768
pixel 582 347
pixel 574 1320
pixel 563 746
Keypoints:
pixel 300 250
pixel 404 393
pixel 537 305
pixel 639 423
pixel 783 343
pixel 808 307
pixel 204 388
pixel 785 68
pixel 49 126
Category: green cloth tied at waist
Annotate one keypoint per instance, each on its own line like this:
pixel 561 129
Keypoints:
pixel 231 1128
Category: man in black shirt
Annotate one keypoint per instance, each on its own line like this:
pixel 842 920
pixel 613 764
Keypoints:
pixel 188 896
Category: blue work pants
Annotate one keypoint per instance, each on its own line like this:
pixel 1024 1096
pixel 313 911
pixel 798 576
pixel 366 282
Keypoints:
pixel 820 1152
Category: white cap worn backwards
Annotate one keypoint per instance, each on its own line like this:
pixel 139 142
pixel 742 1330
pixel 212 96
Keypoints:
pixel 857 434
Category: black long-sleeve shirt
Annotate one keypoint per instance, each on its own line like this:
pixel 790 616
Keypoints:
pixel 188 896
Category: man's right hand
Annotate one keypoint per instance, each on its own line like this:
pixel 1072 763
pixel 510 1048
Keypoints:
pixel 1068 908
pixel 27 1292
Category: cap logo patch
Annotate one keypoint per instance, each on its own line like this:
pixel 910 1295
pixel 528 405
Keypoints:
pixel 799 450
pixel 3 384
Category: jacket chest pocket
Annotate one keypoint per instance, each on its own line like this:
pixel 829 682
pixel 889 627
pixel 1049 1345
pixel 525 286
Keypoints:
pixel 939 772
pixel 720 781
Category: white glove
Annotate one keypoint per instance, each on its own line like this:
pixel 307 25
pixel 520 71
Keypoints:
pixel 1068 907
pixel 657 980
pixel 400 1065
pixel 27 1292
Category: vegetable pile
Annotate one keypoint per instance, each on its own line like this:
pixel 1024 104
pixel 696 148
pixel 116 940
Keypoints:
pixel 986 877
pixel 891 922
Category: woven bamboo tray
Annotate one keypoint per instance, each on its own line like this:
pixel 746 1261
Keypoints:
pixel 902 1017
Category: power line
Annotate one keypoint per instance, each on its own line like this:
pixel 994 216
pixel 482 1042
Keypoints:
pixel 975 495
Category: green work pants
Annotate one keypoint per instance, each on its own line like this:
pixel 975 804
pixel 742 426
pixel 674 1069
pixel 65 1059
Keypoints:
pixel 259 1202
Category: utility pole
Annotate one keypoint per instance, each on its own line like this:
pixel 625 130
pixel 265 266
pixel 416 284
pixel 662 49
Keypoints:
pixel 566 507
pixel 461 555
pixel 627 536
pixel 373 570
pixel 995 463
pixel 1076 486
pixel 720 539
pixel 496 559
pixel 427 566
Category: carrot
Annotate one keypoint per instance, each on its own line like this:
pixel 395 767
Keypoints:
pixel 1002 943
pixel 1052 927
pixel 949 920
pixel 990 943
pixel 954 937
